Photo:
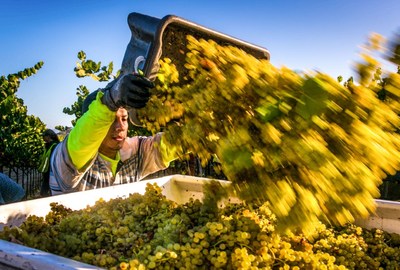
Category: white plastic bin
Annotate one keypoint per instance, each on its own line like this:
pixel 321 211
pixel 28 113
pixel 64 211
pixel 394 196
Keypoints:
pixel 178 188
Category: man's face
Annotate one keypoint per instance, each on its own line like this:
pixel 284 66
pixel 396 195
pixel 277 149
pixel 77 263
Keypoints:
pixel 116 135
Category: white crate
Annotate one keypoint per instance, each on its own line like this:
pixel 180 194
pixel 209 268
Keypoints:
pixel 386 217
pixel 178 188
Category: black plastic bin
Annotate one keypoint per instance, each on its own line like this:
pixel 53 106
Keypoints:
pixel 154 38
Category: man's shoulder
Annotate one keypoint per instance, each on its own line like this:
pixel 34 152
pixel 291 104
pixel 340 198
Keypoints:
pixel 129 148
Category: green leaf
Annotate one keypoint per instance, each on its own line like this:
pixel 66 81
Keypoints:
pixel 268 112
pixel 81 55
pixel 314 99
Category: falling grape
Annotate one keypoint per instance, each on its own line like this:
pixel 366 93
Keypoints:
pixel 303 142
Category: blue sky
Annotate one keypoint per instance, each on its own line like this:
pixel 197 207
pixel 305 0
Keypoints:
pixel 304 35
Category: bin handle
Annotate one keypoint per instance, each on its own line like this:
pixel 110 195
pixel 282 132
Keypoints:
pixel 138 61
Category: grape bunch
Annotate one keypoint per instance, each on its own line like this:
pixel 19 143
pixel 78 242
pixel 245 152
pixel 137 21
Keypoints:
pixel 315 149
pixel 151 232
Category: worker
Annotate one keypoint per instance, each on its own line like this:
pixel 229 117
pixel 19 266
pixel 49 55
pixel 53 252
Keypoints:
pixel 10 191
pixel 51 140
pixel 97 152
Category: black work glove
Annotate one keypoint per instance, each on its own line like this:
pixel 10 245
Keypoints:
pixel 130 92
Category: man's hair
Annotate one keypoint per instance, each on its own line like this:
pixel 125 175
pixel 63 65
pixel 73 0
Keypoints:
pixel 53 136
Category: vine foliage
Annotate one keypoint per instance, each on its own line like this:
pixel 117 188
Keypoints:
pixel 20 134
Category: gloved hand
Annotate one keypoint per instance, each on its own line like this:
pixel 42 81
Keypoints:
pixel 130 91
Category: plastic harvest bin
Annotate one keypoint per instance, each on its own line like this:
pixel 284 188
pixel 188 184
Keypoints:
pixel 178 188
pixel 153 39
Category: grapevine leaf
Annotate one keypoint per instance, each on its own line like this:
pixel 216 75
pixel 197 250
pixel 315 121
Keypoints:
pixel 268 112
pixel 314 99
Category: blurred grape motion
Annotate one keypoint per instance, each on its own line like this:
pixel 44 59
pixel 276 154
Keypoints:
pixel 314 148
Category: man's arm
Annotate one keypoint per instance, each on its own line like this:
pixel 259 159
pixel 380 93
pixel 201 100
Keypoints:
pixel 85 138
pixel 74 155
pixel 10 191
pixel 156 154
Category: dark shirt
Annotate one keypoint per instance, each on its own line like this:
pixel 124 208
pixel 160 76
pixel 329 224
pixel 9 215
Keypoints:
pixel 10 191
